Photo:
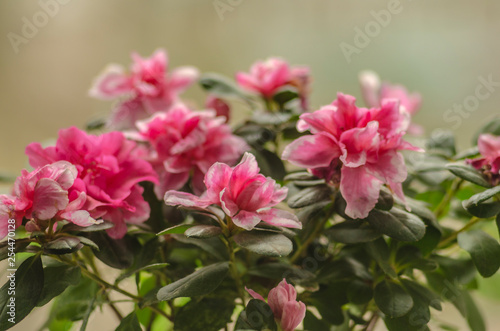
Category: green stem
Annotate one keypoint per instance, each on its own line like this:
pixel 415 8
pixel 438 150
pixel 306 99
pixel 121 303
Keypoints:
pixel 105 284
pixel 446 241
pixel 315 233
pixel 234 270
pixel 454 187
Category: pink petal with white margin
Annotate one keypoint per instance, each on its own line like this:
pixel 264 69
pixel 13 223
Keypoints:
pixel 312 151
pixel 246 220
pixel 216 179
pixel 227 204
pixel 182 77
pixel 358 143
pixel 246 169
pixel 111 83
pixel 278 217
pixel 48 199
pixel 176 198
pixel 360 190
pixel 80 218
pixel 254 294
pixel 390 167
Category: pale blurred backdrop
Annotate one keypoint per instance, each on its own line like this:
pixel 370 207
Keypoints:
pixel 439 48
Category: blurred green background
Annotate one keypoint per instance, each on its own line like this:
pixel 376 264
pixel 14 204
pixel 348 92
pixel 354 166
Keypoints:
pixel 439 48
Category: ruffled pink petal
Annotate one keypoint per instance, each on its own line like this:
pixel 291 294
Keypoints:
pixel 48 199
pixel 390 167
pixel 246 81
pixel 170 181
pixel 312 151
pixel 489 145
pixel 246 220
pixel 216 179
pixel 182 77
pixel 254 294
pixel 360 190
pixel 358 143
pixel 112 83
pixel 228 205
pixel 246 169
pixel 79 217
pixel 278 217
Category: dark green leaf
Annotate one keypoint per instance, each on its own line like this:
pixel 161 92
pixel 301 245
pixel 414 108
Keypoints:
pixel 213 246
pixel 211 314
pixel 359 292
pixel 256 316
pixel 203 231
pixel 18 246
pixel 468 173
pixel 352 232
pixel 461 271
pixel 72 227
pixel 397 224
pixel 385 200
pixel 476 199
pixel 200 282
pixel 343 269
pixel 220 86
pixel 467 154
pixel 264 243
pixel 280 270
pixel 87 242
pixel 270 164
pixel 56 279
pixel 422 293
pixel 129 323
pixel 484 250
pixel 441 142
pixel 311 323
pixel 485 209
pixel 379 251
pixel 177 229
pixel 117 253
pixel 392 299
pixel 255 135
pixel 285 95
pixel 309 196
pixel 329 301
pixel 474 318
pixel 95 124
pixel 76 301
pixel 63 245
pixel 19 295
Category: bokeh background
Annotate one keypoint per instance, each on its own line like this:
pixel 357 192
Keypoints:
pixel 438 48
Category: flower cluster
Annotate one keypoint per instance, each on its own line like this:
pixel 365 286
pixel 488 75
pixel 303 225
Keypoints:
pixel 49 192
pixel 374 92
pixel 184 143
pixel 355 148
pixel 109 168
pixel 243 194
pixel 147 88
pixel 283 302
pixel 268 77
pixel 489 163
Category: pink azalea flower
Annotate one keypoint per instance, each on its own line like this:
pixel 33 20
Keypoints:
pixel 220 106
pixel 354 148
pixel 374 92
pixel 43 194
pixel 283 302
pixel 109 169
pixel 267 77
pixel 489 163
pixel 243 194
pixel 146 89
pixel 187 143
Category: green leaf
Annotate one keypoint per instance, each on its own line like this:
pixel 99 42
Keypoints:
pixel 422 293
pixel 309 196
pixel 379 251
pixel 72 227
pixel 220 86
pixel 285 95
pixel 483 249
pixel 213 246
pixel 280 270
pixel 264 243
pixel 392 299
pixel 76 301
pixel 129 323
pixel 359 292
pixel 256 316
pixel 19 245
pixel 481 197
pixel 177 229
pixel 87 242
pixel 63 245
pixel 200 282
pixel 352 232
pixel 485 209
pixel 474 318
pixel 497 221
pixel 468 173
pixel 343 269
pixel 311 322
pixel 19 295
pixel 56 279
pixel 255 135
pixel 117 253
pixel 270 164
pixel 441 142
pixel 267 118
pixel 385 200
pixel 203 231
pixel 211 314
pixel 397 224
